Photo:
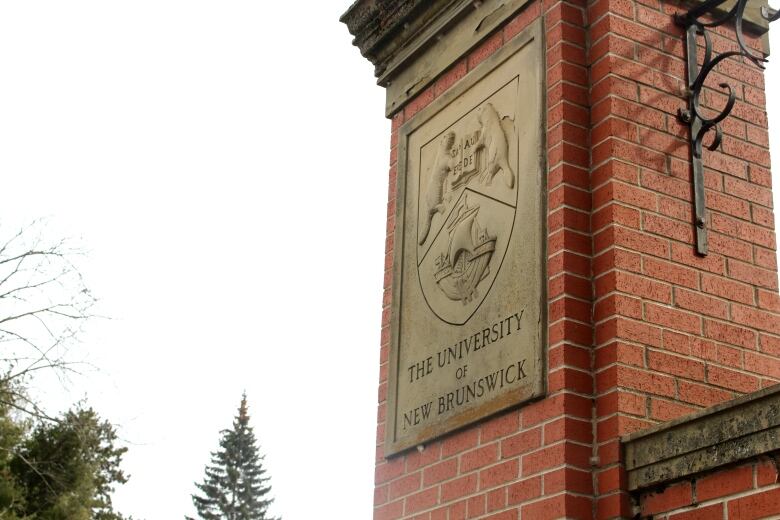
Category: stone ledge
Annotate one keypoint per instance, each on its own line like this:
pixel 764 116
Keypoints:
pixel 723 434
pixel 382 27
pixel 411 42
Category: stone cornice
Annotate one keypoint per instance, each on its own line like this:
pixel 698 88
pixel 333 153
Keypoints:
pixel 382 27
pixel 723 434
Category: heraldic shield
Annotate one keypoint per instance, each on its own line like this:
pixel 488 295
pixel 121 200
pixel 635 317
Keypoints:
pixel 466 209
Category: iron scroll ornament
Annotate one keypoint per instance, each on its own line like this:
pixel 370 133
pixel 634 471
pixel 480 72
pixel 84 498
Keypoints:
pixel 701 125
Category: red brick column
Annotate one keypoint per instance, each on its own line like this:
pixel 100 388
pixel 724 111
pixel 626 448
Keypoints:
pixel 641 329
pixel 674 332
pixel 534 461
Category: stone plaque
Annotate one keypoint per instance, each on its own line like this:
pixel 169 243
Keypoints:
pixel 469 325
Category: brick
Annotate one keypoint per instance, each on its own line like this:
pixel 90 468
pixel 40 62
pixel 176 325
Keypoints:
pixel 570 479
pixel 716 352
pixel 766 472
pixel 701 304
pixel 499 474
pixel 755 318
pixel 559 506
pixel 476 506
pixel 728 333
pixel 748 191
pixel 667 185
pixel 617 304
pixel 760 364
pixel 546 458
pixel 505 515
pixel 419 102
pixel 673 497
pixel 421 500
pixel 618 351
pixel 450 77
pixel 500 426
pixel 769 345
pixel 521 443
pixel 485 49
pixel 458 488
pixel 731 247
pixel 380 495
pixel 567 428
pixel 766 258
pixel 729 289
pixel 418 459
pixel 460 442
pixel 702 395
pixel 441 471
pixel 569 404
pixel 611 479
pixel 621 401
pixel 389 470
pixel 479 457
pixel 570 355
pixel 759 505
pixel 390 511
pixel 637 286
pixel 570 379
pixel 685 254
pixel 628 330
pixel 673 319
pixel 667 410
pixel 670 272
pixel 616 505
pixel 404 486
pixel 732 379
pixel 715 511
pixel 521 21
pixel 727 204
pixel 647 382
pixel 675 365
pixel 724 483
pixel 524 490
pixel 496 499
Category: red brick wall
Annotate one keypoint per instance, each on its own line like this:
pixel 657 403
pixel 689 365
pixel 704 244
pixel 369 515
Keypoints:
pixel 747 491
pixel 641 330
pixel 533 461
pixel 674 332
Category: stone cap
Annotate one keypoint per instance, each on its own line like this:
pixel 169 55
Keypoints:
pixel 722 434
pixel 382 27
pixel 412 42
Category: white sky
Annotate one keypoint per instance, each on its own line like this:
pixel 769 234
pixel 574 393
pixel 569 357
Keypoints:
pixel 225 163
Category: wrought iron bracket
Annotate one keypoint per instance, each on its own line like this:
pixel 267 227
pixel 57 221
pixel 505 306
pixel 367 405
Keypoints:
pixel 700 125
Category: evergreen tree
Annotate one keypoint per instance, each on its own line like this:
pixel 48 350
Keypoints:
pixel 64 469
pixel 234 487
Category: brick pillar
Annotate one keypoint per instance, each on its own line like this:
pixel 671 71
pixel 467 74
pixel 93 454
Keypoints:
pixel 641 330
pixel 674 332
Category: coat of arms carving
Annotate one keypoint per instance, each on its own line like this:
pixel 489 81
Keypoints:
pixel 465 218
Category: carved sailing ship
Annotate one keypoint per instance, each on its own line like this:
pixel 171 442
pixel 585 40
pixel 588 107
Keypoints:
pixel 466 262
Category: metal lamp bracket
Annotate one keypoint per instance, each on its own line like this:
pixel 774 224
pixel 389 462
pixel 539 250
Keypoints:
pixel 701 125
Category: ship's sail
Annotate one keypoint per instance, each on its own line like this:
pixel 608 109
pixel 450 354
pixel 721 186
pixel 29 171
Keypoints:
pixel 466 262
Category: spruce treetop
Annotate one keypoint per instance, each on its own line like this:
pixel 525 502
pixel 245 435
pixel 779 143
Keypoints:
pixel 235 486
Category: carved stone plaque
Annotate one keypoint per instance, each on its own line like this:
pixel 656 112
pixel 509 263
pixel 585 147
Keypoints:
pixel 468 325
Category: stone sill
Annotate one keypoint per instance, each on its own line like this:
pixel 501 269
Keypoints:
pixel 723 434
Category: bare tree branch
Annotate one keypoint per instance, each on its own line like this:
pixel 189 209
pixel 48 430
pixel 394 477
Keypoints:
pixel 44 304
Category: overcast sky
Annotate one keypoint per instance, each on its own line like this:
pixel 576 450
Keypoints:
pixel 225 164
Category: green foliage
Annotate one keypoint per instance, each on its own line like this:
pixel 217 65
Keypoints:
pixel 234 487
pixel 58 470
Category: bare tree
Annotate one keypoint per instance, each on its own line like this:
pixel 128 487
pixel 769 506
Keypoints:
pixel 44 304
